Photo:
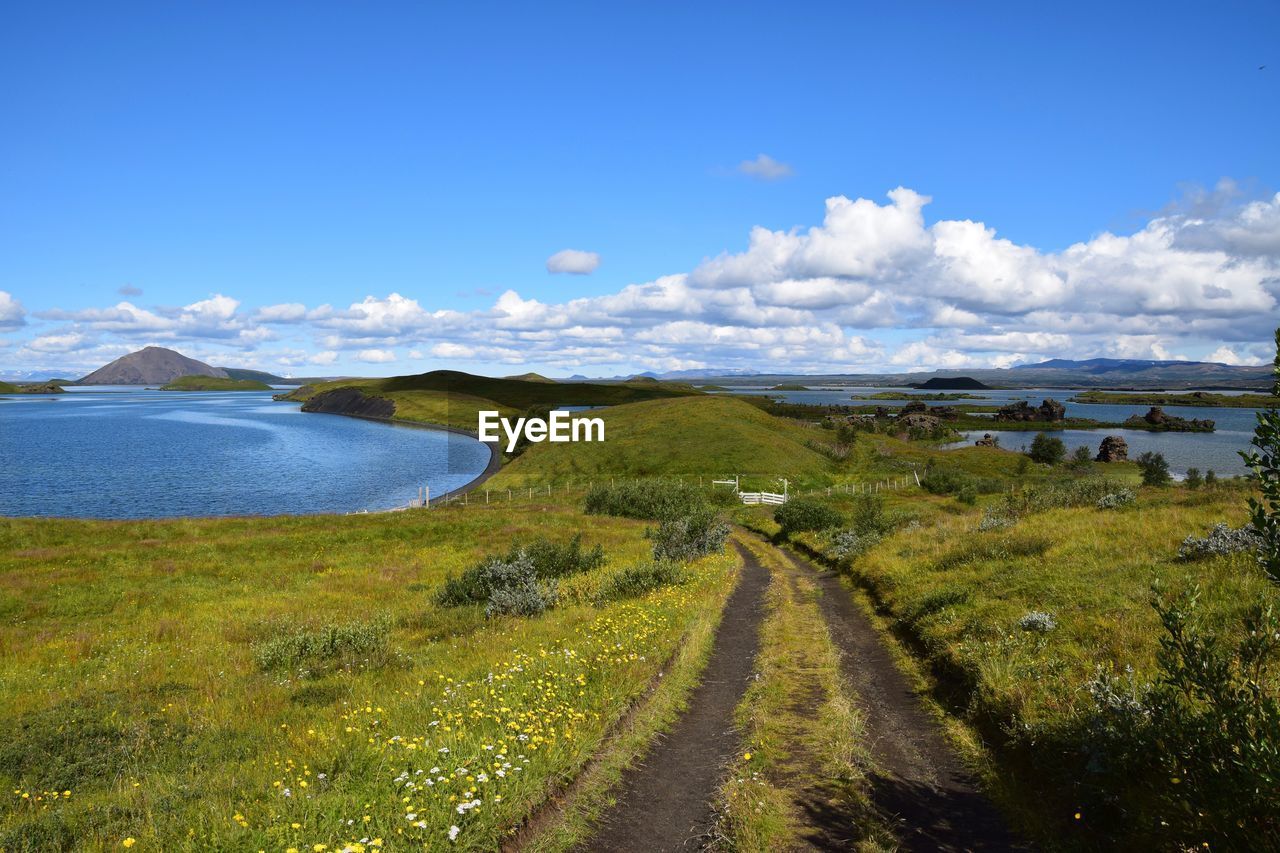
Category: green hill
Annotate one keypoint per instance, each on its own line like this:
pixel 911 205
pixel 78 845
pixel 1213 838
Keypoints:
pixel 255 375
pixel 530 377
pixel 705 436
pixel 8 388
pixel 214 383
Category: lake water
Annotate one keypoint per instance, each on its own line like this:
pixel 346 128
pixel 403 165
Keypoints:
pixel 1217 450
pixel 125 452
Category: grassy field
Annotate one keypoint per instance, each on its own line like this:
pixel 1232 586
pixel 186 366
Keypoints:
pixel 289 682
pixel 214 383
pixel 8 388
pixel 960 595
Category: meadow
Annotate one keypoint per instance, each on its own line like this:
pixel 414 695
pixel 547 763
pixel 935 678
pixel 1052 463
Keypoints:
pixel 290 683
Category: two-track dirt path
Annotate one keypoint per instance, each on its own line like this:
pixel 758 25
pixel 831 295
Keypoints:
pixel 919 783
pixel 666 802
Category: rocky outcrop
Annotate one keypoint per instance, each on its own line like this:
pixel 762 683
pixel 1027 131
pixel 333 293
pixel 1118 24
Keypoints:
pixel 915 407
pixel 42 388
pixel 1157 419
pixel 150 366
pixel 1113 449
pixel 350 401
pixel 928 423
pixel 1048 411
pixel 987 440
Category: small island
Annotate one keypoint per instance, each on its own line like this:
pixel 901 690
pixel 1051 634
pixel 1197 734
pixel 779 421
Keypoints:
pixel 937 397
pixel 1192 398
pixel 789 386
pixel 32 388
pixel 214 383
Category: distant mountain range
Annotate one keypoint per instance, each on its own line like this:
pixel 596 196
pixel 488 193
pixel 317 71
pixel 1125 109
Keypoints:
pixel 158 365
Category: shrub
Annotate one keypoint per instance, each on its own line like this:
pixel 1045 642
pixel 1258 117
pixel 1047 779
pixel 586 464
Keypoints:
pixel 521 594
pixel 944 480
pixel 1155 470
pixel 800 514
pixel 327 646
pixel 1115 500
pixel 1190 751
pixel 548 561
pixel 1047 449
pixel 639 579
pixel 1221 541
pixel 656 500
pixel 1071 493
pixel 1210 478
pixel 695 535
pixel 1037 621
pixel 849 544
pixel 1193 480
pixel 1264 462
pixel 1081 459
pixel 994 519
pixel 1024 464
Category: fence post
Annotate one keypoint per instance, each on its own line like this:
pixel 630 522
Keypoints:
pixel 486 497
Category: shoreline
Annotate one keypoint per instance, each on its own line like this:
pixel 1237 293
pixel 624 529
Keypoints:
pixel 492 467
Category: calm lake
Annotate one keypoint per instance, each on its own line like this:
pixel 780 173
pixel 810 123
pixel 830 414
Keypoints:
pixel 1183 450
pixel 125 452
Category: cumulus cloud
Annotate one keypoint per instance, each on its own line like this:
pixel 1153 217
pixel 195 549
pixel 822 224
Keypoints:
pixel 12 314
pixel 573 261
pixel 765 168
pixel 1200 280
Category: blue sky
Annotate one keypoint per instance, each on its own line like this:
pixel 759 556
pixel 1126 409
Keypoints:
pixel 168 170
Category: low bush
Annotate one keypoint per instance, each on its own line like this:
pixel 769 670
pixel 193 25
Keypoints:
pixel 516 590
pixel 1037 621
pixel 801 514
pixel 695 535
pixel 549 561
pixel 851 544
pixel 639 579
pixel 324 647
pixel 1116 500
pixel 656 500
pixel 944 480
pixel 1221 541
pixel 1193 479
pixel 1192 755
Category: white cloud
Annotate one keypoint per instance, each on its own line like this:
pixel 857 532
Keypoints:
pixel 765 168
pixel 1202 282
pixel 573 261
pixel 12 314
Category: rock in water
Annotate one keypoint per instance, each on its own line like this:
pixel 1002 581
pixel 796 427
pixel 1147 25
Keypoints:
pixel 1113 449
pixel 987 440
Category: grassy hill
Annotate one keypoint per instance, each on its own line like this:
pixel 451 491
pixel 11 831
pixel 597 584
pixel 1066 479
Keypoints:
pixel 214 383
pixel 453 398
pixel 685 436
pixel 8 388
pixel 530 377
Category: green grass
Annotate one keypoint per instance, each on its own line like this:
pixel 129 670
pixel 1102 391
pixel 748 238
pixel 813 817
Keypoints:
pixel 214 383
pixel 8 388
pixel 689 437
pixel 956 594
pixel 177 676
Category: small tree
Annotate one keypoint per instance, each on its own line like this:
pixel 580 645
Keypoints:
pixel 1264 459
pixel 1210 479
pixel 1155 470
pixel 1047 449
pixel 1193 480
pixel 1081 459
